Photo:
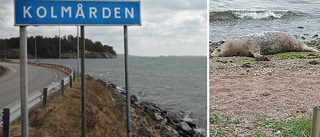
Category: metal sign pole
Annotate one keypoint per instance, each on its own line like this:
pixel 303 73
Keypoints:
pixel 24 81
pixel 59 46
pixel 5 49
pixel 83 92
pixel 78 49
pixel 35 48
pixel 127 80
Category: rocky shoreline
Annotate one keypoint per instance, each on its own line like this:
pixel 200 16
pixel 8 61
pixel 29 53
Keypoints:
pixel 170 124
pixel 105 115
pixel 313 43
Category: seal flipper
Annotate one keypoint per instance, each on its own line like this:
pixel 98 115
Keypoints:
pixel 309 49
pixel 256 55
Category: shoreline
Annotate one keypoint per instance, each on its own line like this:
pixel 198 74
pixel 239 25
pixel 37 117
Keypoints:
pixel 181 122
pixel 312 43
pixel 105 110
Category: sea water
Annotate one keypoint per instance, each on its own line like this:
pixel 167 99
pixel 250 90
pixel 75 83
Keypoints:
pixel 235 18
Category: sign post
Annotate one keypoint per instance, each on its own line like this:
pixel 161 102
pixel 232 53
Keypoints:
pixel 24 81
pixel 125 29
pixel 74 13
pixel 83 92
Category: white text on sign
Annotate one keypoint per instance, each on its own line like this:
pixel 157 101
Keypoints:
pixel 106 12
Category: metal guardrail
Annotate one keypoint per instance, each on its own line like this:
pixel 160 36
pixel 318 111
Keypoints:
pixel 35 97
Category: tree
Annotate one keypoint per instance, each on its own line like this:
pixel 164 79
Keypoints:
pixel 47 47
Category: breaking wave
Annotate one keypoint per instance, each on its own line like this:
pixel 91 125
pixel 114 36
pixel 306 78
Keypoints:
pixel 255 15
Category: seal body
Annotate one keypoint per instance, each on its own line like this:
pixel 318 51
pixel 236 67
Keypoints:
pixel 257 45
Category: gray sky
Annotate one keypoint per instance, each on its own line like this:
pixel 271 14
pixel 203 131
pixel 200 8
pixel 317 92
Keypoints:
pixel 169 27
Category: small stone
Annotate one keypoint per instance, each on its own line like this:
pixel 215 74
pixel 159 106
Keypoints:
pixel 263 58
pixel 158 117
pixel 222 61
pixel 266 94
pixel 314 62
pixel 184 126
pixel 246 65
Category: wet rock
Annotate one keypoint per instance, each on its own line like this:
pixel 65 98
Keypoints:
pixel 133 98
pixel 111 85
pixel 191 124
pixel 315 36
pixel 175 117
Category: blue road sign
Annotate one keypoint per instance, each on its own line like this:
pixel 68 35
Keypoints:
pixel 41 12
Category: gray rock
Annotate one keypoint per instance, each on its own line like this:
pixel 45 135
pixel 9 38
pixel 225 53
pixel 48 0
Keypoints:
pixel 157 116
pixel 201 131
pixel 191 124
pixel 133 98
pixel 184 126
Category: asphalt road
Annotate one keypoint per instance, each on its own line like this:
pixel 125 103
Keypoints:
pixel 38 77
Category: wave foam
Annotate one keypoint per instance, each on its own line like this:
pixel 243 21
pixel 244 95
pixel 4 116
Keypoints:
pixel 255 15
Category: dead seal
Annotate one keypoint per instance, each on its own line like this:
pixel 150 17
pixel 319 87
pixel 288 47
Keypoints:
pixel 257 45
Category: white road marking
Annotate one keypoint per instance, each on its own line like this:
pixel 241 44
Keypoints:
pixel 14 70
pixel 55 76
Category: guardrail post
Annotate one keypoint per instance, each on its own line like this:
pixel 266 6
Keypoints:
pixel 6 122
pixel 70 81
pixel 44 100
pixel 62 87
pixel 315 131
pixel 74 76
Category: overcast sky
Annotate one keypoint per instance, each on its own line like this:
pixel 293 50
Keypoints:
pixel 169 27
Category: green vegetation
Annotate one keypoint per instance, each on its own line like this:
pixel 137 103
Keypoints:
pixel 244 60
pixel 222 125
pixel 49 47
pixel 290 126
pixel 294 55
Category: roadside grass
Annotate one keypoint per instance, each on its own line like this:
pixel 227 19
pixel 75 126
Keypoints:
pixel 62 115
pixel 291 126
